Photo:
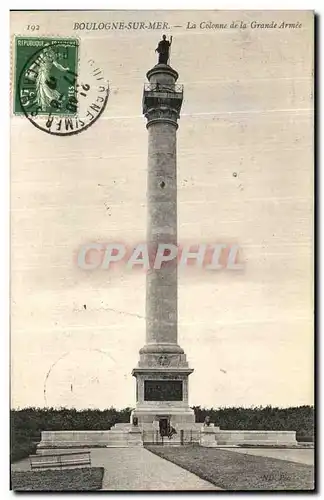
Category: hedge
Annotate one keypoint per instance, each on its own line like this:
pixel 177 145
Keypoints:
pixel 27 423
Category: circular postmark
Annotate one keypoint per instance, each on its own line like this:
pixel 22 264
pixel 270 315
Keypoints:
pixel 59 93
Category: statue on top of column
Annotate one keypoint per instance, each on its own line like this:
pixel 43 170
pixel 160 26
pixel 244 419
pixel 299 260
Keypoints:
pixel 163 49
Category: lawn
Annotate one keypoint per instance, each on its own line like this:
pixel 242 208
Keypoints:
pixel 236 471
pixel 87 479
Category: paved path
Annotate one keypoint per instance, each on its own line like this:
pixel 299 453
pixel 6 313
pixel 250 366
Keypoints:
pixel 137 469
pixel 299 455
pixel 21 465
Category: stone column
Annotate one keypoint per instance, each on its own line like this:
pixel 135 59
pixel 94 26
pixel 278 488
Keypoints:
pixel 162 104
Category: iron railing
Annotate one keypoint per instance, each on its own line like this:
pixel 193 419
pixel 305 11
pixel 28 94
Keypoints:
pixel 164 88
pixel 183 437
pixel 157 95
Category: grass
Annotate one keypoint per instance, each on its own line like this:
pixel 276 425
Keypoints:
pixel 87 479
pixel 235 471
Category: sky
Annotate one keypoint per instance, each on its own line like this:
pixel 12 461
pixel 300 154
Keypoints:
pixel 245 176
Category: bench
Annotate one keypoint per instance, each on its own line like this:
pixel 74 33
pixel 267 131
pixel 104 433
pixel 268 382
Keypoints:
pixel 60 460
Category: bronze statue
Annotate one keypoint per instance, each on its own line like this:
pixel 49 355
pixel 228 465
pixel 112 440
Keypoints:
pixel 163 49
pixel 207 421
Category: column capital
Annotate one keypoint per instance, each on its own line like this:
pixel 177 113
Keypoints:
pixel 158 115
pixel 162 70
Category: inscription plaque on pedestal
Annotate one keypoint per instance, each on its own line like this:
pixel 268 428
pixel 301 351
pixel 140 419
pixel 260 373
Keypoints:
pixel 163 390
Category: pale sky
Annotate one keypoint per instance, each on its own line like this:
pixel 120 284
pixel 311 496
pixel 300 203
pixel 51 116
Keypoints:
pixel 247 110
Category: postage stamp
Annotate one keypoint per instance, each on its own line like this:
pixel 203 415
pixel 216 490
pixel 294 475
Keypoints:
pixel 56 90
pixel 45 76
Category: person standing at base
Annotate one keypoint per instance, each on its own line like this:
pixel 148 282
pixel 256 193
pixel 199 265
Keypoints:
pixel 163 49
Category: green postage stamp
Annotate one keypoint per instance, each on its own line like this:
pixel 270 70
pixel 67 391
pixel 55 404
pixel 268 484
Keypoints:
pixel 45 76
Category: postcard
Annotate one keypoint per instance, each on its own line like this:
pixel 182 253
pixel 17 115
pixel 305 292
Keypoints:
pixel 162 208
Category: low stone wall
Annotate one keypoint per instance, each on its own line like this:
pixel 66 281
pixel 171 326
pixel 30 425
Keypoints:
pixel 210 438
pixel 75 439
pixel 127 436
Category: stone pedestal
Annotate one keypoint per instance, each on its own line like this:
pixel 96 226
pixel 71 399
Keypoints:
pixel 174 407
pixel 134 437
pixel 208 436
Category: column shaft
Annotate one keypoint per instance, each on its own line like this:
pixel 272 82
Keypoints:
pixel 161 285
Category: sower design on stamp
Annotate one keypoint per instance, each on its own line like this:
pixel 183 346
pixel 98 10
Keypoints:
pixel 57 91
pixel 45 75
